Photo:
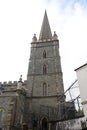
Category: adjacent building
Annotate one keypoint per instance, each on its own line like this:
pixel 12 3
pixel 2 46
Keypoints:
pixel 82 80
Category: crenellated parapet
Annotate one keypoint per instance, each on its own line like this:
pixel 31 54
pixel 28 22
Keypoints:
pixel 11 83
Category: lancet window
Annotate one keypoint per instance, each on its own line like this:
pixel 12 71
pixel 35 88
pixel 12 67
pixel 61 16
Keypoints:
pixel 44 54
pixel 1 114
pixel 44 89
pixel 44 69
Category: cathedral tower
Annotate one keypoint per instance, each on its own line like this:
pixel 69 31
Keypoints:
pixel 45 82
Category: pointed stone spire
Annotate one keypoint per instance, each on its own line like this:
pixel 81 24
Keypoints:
pixel 45 32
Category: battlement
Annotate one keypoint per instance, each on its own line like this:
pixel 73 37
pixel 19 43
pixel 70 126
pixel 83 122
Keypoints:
pixel 11 83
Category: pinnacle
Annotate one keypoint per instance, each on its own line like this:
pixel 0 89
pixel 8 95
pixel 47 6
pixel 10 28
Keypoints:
pixel 45 32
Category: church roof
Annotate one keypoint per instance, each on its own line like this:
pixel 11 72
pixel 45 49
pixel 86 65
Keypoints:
pixel 45 32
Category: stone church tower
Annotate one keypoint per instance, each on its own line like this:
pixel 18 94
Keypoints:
pixel 37 102
pixel 45 82
pixel 44 79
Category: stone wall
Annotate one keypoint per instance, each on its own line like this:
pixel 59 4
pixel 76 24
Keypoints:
pixel 74 124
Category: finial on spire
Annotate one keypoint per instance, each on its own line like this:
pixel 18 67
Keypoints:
pixel 34 39
pixel 45 32
pixel 55 37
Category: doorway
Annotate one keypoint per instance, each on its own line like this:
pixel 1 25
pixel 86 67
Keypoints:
pixel 44 124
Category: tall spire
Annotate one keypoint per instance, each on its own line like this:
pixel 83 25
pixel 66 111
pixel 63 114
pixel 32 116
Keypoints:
pixel 45 32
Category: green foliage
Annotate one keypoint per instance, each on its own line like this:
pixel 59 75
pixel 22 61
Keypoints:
pixel 79 113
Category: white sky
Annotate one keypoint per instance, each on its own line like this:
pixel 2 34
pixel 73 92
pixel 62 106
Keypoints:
pixel 20 19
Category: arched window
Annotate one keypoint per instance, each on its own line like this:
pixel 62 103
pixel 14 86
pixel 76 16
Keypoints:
pixel 44 69
pixel 44 54
pixel 44 89
pixel 1 113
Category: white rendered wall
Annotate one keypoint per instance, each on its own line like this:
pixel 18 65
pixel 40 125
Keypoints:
pixel 82 80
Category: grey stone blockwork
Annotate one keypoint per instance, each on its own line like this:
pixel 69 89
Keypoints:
pixel 52 60
pixel 53 76
pixel 4 105
pixel 29 101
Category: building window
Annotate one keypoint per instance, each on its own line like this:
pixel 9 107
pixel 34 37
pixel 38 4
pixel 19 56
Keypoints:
pixel 44 54
pixel 44 69
pixel 1 113
pixel 44 89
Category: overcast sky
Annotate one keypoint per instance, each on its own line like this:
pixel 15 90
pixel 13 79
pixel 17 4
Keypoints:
pixel 20 19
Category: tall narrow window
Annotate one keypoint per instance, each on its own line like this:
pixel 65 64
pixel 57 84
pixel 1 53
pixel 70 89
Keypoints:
pixel 1 114
pixel 44 54
pixel 44 89
pixel 44 69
